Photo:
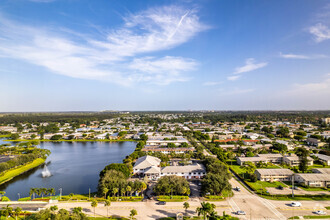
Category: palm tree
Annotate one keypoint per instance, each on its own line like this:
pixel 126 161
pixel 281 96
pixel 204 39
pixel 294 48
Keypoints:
pixel 17 212
pixel 38 191
pixel 32 192
pixel 94 205
pixel 129 190
pixel 186 206
pixel 105 191
pixel 44 191
pixel 51 191
pixel 115 190
pixel 207 208
pixel 7 211
pixel 143 187
pixel 133 213
pixel 53 208
pixel 77 210
pixel 107 204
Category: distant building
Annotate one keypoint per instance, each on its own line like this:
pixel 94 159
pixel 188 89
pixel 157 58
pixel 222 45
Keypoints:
pixel 149 166
pixel 324 158
pixel 274 174
pixel 294 160
pixel 312 142
pixel 313 179
pixel 326 120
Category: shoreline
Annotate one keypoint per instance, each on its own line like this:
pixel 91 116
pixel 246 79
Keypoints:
pixel 10 174
pixel 74 140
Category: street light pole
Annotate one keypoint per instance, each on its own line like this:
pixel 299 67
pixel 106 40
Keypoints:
pixel 292 185
pixel 19 196
pixel 60 193
pixel 89 193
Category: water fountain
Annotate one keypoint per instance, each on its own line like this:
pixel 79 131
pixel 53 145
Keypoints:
pixel 46 173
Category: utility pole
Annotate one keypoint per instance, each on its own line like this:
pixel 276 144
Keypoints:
pixel 89 193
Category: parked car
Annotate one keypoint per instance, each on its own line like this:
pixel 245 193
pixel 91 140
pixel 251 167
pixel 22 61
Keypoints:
pixel 240 213
pixel 320 212
pixel 280 187
pixel 237 189
pixel 161 203
pixel 295 204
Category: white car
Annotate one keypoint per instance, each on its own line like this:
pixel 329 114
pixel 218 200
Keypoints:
pixel 320 212
pixel 240 213
pixel 295 204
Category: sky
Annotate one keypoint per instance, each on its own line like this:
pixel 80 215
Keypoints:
pixel 81 55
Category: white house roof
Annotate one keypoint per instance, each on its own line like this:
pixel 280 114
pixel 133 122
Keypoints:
pixel 146 161
pixel 152 170
pixel 197 168
pixel 274 172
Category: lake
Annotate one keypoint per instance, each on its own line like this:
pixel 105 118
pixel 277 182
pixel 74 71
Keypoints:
pixel 75 167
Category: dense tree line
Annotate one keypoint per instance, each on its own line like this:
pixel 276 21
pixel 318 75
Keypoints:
pixel 67 117
pixel 62 214
pixel 115 183
pixel 24 156
pixel 172 185
pixel 217 177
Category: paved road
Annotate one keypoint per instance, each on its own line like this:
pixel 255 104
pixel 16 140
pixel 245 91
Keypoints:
pixel 259 208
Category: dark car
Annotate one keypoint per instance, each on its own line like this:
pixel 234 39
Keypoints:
pixel 161 203
pixel 280 187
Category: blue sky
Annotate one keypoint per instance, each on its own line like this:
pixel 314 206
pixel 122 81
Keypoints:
pixel 72 55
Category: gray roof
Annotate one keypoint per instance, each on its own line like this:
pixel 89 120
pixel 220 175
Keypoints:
pixel 321 170
pixel 274 172
pixel 314 176
pixel 322 156
pixel 146 161
pixel 152 170
pixel 197 168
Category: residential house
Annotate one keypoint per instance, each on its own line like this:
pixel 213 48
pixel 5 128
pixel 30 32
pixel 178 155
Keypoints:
pixel 313 179
pixel 324 158
pixel 274 174
pixel 294 160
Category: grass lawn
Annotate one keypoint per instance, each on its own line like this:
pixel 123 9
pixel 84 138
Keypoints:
pixel 237 169
pixel 8 175
pixel 317 166
pixel 4 135
pixel 296 198
pixel 260 186
pixel 314 188
pixel 173 199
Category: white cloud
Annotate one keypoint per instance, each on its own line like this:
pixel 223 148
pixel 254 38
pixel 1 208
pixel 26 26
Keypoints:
pixel 249 66
pixel 111 58
pixel 320 32
pixel 212 83
pixel 315 89
pixel 302 57
pixel 234 78
pixel 161 71
pixel 293 56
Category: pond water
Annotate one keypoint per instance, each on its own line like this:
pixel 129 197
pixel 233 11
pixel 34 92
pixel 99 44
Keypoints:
pixel 74 167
